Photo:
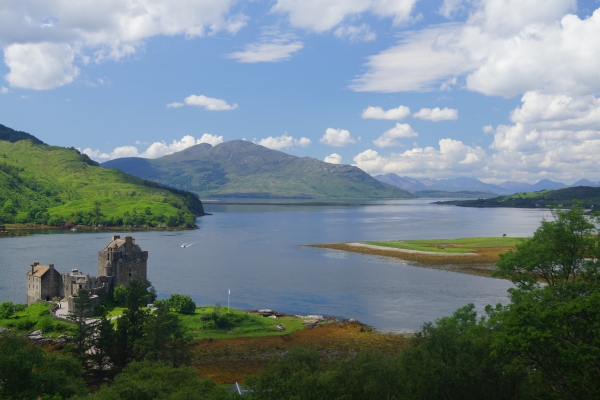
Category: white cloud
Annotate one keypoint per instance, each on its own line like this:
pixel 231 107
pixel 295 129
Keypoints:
pixel 333 158
pixel 213 140
pixel 323 15
pixel 44 40
pixel 3 90
pixel 337 138
pixel 397 114
pixel 505 48
pixel 272 47
pixel 155 150
pixel 283 141
pixel 209 103
pixel 452 156
pixel 436 114
pixel 389 137
pixel 175 105
pixel 487 129
pixel 360 33
pixel 40 66
pixel 450 8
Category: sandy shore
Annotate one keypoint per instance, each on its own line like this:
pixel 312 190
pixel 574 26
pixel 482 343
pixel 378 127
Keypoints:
pixel 480 262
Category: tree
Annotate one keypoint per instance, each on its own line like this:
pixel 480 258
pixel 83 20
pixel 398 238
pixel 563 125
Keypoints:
pixel 130 324
pixel 182 304
pixel 103 344
pixel 83 308
pixel 561 250
pixel 552 330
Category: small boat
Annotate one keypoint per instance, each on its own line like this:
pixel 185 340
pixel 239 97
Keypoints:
pixel 73 229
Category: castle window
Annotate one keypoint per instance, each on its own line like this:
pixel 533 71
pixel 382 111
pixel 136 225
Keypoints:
pixel 130 272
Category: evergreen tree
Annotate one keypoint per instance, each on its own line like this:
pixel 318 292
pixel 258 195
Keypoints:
pixel 81 342
pixel 103 349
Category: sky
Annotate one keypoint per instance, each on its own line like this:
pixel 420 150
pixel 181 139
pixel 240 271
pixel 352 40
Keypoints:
pixel 492 89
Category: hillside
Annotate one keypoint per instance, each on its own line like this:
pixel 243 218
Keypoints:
pixel 243 169
pixel 52 185
pixel 589 197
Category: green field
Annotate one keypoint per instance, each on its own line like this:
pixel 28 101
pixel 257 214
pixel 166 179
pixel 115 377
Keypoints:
pixel 37 316
pixel 456 246
pixel 241 324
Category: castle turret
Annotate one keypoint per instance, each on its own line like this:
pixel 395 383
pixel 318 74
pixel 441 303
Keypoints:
pixel 123 260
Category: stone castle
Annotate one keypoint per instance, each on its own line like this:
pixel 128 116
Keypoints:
pixel 119 263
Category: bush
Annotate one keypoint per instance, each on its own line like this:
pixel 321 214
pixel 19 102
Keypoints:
pixel 182 304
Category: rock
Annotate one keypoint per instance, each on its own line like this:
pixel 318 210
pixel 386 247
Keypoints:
pixel 3 329
pixel 35 333
pixel 272 316
pixel 265 311
pixel 279 327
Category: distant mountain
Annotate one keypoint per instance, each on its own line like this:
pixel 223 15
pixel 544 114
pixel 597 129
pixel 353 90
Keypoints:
pixel 239 168
pixel 585 182
pixel 441 185
pixel 589 197
pixel 475 185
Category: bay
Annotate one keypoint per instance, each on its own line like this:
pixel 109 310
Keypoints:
pixel 257 251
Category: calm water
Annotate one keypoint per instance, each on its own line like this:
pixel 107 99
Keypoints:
pixel 256 251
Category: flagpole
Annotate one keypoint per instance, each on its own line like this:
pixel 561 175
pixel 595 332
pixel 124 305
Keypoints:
pixel 228 293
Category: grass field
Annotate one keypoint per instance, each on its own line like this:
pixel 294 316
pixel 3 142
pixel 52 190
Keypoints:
pixel 37 316
pixel 450 246
pixel 239 324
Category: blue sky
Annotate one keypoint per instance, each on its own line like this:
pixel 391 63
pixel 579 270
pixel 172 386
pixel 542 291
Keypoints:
pixel 494 89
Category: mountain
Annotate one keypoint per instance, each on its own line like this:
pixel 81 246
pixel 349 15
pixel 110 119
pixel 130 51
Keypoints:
pixel 441 185
pixel 474 185
pixel 53 185
pixel 589 197
pixel 239 168
pixel 585 182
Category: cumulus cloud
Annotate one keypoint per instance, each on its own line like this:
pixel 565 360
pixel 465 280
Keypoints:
pixel 398 113
pixel 44 41
pixel 333 158
pixel 337 138
pixel 505 48
pixel 283 141
pixel 391 136
pixel 452 155
pixel 272 47
pixel 436 114
pixel 323 15
pixel 208 103
pixel 360 33
pixel 40 66
pixel 155 150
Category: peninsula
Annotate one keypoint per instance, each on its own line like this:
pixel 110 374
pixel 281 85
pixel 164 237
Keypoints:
pixel 476 256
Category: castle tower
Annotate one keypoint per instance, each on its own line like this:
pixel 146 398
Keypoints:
pixel 123 260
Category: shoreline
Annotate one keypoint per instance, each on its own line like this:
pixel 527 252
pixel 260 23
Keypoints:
pixel 481 263
pixel 34 227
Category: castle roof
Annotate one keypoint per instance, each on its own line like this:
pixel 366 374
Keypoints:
pixel 39 270
pixel 117 243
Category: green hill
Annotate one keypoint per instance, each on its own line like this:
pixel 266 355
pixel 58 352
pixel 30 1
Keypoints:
pixel 589 197
pixel 243 169
pixel 58 186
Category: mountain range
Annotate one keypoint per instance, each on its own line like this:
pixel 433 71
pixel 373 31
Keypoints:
pixel 475 185
pixel 240 168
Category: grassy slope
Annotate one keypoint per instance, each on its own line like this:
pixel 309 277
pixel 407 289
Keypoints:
pixel 240 169
pixel 60 180
pixel 588 196
pixel 459 246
